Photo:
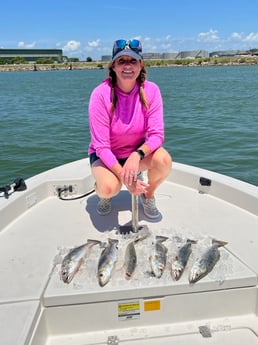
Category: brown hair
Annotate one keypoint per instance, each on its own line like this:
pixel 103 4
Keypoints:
pixel 141 78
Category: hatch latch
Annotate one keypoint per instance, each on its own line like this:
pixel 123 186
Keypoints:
pixel 112 340
pixel 205 331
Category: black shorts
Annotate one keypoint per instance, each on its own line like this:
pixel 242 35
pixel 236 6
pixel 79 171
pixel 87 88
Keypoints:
pixel 94 158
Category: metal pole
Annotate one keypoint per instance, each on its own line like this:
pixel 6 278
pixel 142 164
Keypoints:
pixel 135 217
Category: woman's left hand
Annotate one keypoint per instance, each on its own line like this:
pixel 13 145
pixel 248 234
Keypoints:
pixel 138 187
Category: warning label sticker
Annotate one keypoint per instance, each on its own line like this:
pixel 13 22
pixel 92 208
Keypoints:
pixel 152 305
pixel 129 310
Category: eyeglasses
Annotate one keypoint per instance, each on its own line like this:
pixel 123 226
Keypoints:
pixel 133 44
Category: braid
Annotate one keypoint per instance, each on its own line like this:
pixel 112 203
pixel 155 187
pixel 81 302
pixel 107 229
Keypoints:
pixel 141 79
pixel 112 79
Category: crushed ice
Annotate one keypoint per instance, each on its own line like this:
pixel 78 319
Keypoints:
pixel 86 277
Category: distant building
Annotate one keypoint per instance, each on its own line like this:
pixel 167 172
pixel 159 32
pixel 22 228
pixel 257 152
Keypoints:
pixel 106 58
pixel 32 55
pixel 152 56
pixel 228 53
pixel 170 56
pixel 253 51
pixel 193 54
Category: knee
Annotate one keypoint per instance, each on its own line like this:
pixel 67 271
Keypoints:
pixel 164 159
pixel 167 160
pixel 107 190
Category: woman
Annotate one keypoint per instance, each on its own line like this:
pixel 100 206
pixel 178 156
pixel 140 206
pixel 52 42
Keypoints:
pixel 127 131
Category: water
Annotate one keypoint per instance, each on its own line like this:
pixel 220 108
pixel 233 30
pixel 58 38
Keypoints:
pixel 211 118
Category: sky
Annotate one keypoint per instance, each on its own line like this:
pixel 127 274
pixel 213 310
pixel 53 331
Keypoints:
pixel 88 28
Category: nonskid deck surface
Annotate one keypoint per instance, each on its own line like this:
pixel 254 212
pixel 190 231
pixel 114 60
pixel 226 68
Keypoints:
pixel 46 231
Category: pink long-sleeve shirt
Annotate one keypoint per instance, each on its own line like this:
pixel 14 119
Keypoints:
pixel 117 135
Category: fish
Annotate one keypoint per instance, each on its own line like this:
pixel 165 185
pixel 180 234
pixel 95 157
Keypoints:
pixel 74 259
pixel 205 263
pixel 158 258
pixel 181 259
pixel 107 262
pixel 130 260
pixel 131 257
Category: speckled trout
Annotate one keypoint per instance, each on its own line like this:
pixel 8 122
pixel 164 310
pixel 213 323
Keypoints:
pixel 130 261
pixel 205 263
pixel 158 258
pixel 107 262
pixel 74 259
pixel 180 260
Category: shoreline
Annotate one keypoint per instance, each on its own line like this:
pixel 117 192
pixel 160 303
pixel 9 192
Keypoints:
pixel 226 61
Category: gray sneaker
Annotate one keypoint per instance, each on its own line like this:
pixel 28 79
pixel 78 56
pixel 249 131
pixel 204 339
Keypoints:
pixel 104 206
pixel 149 207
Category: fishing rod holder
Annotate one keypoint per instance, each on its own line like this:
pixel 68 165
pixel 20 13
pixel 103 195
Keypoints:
pixel 134 227
pixel 17 186
pixel 135 213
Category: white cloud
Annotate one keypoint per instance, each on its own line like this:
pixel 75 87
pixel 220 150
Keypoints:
pixel 71 46
pixel 165 47
pixel 157 44
pixel 237 36
pixel 252 37
pixel 94 44
pixel 210 36
pixel 22 44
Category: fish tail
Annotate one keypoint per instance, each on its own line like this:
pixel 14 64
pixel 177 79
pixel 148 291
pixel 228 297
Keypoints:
pixel 111 240
pixel 93 242
pixel 141 238
pixel 218 243
pixel 191 241
pixel 161 238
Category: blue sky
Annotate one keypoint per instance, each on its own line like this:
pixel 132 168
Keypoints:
pixel 84 28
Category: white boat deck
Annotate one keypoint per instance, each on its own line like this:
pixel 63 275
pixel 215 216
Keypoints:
pixel 37 229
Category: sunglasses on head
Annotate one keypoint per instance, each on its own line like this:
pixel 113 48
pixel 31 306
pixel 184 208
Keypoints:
pixel 133 44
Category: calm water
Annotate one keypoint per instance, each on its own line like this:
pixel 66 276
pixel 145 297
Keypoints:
pixel 211 118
